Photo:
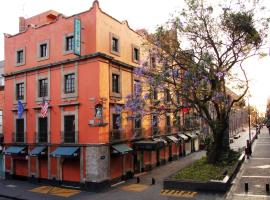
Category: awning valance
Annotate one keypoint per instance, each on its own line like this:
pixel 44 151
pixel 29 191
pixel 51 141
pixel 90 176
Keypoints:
pixel 184 137
pixel 191 135
pixel 160 140
pixel 173 139
pixel 15 150
pixel 65 152
pixel 122 148
pixel 148 145
pixel 39 150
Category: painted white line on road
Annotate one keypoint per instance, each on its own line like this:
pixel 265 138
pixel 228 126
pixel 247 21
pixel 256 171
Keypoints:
pixel 255 176
pixel 260 158
pixel 252 195
pixel 11 186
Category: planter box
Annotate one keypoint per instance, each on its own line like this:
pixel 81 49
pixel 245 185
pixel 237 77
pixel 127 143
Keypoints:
pixel 212 185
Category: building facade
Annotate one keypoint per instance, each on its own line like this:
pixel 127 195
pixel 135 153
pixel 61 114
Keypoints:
pixel 81 68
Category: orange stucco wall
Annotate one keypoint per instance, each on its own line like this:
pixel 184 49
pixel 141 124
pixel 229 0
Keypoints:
pixel 93 78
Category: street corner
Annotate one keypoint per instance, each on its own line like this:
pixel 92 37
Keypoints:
pixel 56 191
pixel 135 187
pixel 178 193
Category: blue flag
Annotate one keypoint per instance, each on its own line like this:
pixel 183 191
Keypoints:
pixel 20 109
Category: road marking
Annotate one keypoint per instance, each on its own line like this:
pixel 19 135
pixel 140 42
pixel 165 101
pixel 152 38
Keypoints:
pixel 178 193
pixel 255 176
pixel 253 195
pixel 135 187
pixel 57 191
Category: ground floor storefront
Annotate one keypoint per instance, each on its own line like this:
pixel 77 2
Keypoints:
pixel 92 167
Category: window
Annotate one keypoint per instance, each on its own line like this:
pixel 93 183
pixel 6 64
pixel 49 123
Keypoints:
pixel 42 129
pixel 115 44
pixel 20 91
pixel 20 57
pixel 154 125
pixel 1 122
pixel 155 94
pixel 69 43
pixel 135 53
pixel 137 87
pixel 116 121
pixel 138 123
pixel 19 130
pixel 115 83
pixel 43 88
pixel 69 83
pixel 43 50
pixel 153 61
pixel 167 95
pixel 168 123
pixel 69 128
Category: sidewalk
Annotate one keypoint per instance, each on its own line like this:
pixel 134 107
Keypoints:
pixel 255 171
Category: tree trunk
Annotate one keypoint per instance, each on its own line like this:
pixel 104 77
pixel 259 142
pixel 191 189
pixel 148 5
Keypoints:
pixel 220 147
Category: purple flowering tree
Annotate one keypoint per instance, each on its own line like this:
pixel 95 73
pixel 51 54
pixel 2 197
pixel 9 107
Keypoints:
pixel 220 39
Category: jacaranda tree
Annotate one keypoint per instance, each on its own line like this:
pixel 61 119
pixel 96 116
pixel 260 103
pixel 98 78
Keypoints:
pixel 194 59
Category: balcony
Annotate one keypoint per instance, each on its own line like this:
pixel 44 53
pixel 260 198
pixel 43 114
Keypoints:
pixel 69 136
pixel 137 133
pixel 117 135
pixel 41 137
pixel 168 129
pixel 155 131
pixel 18 137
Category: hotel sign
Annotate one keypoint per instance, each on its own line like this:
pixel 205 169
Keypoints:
pixel 77 36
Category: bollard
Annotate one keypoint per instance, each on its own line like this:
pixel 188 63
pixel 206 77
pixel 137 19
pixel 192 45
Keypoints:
pixel 138 179
pixel 246 187
pixel 153 181
pixel 267 187
pixel 246 151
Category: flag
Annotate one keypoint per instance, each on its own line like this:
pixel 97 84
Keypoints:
pixel 185 110
pixel 44 108
pixel 20 109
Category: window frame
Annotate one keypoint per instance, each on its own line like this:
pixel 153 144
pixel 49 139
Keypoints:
pixel 112 37
pixel 18 92
pixel 23 57
pixel 135 47
pixel 65 50
pixel 112 93
pixel 39 57
pixel 64 73
pixel 69 83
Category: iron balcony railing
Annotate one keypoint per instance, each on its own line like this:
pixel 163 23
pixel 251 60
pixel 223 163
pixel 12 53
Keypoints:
pixel 18 137
pixel 41 137
pixel 69 136
pixel 117 135
pixel 137 133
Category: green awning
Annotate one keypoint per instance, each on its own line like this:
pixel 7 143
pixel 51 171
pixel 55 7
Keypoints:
pixel 15 150
pixel 191 135
pixel 184 137
pixel 121 148
pixel 173 139
pixel 39 150
pixel 65 152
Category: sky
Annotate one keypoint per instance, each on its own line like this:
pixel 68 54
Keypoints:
pixel 139 14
